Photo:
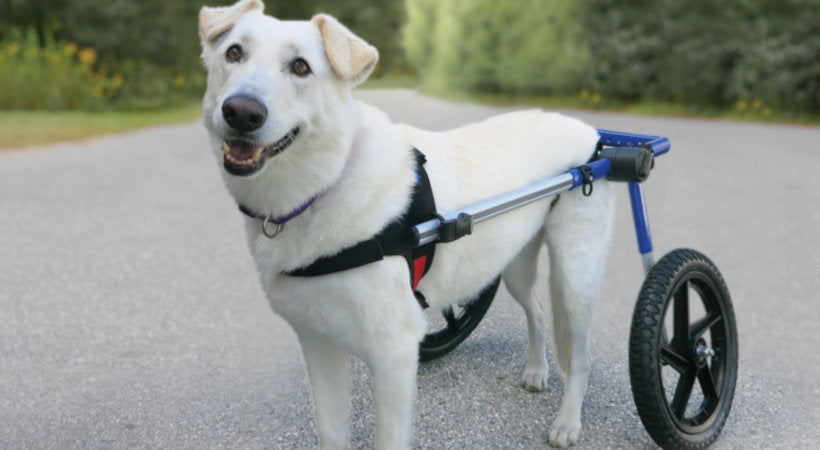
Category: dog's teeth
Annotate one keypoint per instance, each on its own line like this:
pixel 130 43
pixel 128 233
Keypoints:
pixel 226 148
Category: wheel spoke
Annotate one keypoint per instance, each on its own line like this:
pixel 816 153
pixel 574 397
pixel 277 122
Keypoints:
pixel 700 327
pixel 682 393
pixel 677 361
pixel 450 317
pixel 707 383
pixel 681 318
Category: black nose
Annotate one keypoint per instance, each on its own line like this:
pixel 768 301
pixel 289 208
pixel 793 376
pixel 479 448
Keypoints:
pixel 244 113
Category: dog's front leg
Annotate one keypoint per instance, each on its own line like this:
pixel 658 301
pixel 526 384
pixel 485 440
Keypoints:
pixel 329 371
pixel 394 384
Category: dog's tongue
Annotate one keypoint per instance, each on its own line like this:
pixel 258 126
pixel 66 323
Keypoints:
pixel 242 151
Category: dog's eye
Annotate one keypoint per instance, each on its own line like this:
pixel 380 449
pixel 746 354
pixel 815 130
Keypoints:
pixel 300 67
pixel 234 53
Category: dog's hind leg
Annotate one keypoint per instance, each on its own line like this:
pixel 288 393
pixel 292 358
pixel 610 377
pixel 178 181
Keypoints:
pixel 579 234
pixel 519 277
pixel 329 371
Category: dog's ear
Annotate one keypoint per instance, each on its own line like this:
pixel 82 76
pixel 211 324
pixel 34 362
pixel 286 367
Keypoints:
pixel 215 21
pixel 352 58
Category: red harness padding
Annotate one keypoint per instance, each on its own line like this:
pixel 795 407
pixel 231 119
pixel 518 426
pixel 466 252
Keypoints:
pixel 396 238
pixel 419 269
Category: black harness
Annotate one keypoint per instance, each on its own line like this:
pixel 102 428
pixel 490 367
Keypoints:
pixel 398 238
pixel 395 239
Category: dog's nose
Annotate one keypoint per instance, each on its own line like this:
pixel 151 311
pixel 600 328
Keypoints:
pixel 244 113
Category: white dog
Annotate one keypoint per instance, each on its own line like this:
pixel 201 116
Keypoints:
pixel 322 172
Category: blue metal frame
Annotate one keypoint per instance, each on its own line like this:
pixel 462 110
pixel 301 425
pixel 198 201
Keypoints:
pixel 640 217
pixel 659 145
pixel 601 168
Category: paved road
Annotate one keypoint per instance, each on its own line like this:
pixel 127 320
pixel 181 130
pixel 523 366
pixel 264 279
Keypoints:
pixel 131 315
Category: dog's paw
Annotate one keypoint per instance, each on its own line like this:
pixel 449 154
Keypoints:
pixel 565 433
pixel 535 380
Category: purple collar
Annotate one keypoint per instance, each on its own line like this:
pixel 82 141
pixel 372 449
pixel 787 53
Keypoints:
pixel 277 222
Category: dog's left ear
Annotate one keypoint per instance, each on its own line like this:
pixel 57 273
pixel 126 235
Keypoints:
pixel 352 58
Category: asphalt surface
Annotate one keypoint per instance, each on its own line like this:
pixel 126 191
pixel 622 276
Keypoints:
pixel 132 317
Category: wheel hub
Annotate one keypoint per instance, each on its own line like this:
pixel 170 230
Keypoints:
pixel 702 353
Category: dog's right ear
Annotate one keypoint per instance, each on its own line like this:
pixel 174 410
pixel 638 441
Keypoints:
pixel 215 21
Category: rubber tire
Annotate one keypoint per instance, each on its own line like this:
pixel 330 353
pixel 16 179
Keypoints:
pixel 670 430
pixel 441 342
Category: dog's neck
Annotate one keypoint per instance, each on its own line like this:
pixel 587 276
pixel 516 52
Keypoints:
pixel 372 187
pixel 272 226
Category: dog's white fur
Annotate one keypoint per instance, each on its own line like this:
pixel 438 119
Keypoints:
pixel 360 166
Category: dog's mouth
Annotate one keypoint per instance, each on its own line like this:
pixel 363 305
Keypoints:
pixel 244 158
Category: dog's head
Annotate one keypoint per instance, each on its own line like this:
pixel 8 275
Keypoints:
pixel 272 84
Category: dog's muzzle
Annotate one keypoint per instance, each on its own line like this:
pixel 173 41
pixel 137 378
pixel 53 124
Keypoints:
pixel 244 158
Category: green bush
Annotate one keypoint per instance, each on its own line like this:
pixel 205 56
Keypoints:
pixel 742 54
pixel 55 76
pixel 780 71
pixel 759 55
pixel 152 45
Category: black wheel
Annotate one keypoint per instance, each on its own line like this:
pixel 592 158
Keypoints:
pixel 457 325
pixel 683 351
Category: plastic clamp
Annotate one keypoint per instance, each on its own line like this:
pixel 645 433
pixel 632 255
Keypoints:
pixel 588 177
pixel 453 229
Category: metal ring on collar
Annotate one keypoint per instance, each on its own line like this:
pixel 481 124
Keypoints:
pixel 277 228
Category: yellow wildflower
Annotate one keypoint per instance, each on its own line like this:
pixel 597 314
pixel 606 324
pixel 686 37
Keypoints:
pixel 87 56
pixel 71 48
pixel 596 98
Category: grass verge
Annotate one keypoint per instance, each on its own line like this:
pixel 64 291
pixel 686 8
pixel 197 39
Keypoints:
pixel 660 109
pixel 31 128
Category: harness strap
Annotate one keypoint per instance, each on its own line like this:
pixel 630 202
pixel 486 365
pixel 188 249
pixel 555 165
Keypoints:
pixel 395 239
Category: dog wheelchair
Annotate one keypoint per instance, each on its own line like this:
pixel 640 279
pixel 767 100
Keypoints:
pixel 683 345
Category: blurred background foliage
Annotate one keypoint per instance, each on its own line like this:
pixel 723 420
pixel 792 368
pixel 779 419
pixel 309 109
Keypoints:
pixel 725 53
pixel 761 55
pixel 705 54
pixel 525 46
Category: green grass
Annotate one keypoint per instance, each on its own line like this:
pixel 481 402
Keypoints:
pixel 32 128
